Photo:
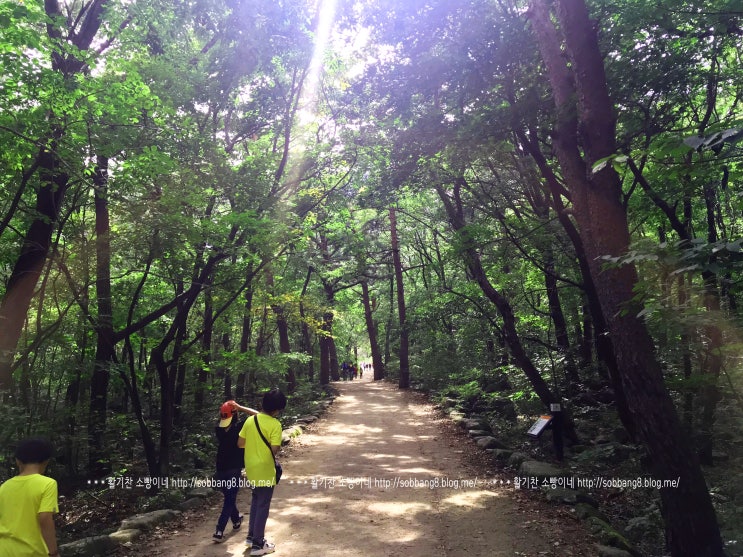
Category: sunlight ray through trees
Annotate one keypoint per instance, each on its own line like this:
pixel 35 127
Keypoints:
pixel 506 204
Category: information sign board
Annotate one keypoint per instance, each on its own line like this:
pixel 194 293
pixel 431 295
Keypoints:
pixel 539 426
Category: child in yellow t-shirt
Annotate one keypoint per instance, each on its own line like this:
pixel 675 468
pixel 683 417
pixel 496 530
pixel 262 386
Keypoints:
pixel 28 502
pixel 260 436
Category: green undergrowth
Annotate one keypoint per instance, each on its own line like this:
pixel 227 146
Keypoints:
pixel 604 450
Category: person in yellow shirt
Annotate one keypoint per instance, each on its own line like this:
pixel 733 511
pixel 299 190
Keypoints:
pixel 260 436
pixel 28 502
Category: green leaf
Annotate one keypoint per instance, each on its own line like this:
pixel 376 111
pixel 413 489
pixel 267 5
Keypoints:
pixel 600 164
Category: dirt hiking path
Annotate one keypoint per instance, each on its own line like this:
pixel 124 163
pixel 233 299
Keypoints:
pixel 349 490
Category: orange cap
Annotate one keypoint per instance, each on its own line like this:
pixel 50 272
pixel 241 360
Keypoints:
pixel 226 411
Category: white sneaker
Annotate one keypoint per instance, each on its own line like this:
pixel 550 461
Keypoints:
pixel 265 549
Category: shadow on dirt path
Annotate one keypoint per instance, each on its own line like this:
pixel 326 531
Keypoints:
pixel 382 474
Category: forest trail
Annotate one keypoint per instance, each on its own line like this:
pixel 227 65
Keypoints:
pixel 343 493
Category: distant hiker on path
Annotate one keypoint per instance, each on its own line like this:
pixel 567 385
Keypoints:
pixel 230 461
pixel 260 436
pixel 28 502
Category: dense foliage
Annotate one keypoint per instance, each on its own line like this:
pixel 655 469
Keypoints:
pixel 195 203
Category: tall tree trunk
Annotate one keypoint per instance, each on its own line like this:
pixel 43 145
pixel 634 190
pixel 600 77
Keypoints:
pixel 330 356
pixel 582 102
pixel 602 339
pixel 335 370
pixel 50 194
pixel 686 363
pixel 131 382
pixel 283 329
pixel 404 382
pixel 99 453
pixel 328 351
pixel 306 338
pixel 71 402
pixel 539 200
pixel 139 362
pixel 713 361
pixel 180 380
pixel 167 388
pixel 390 321
pixel 260 346
pixel 284 346
pixel 307 346
pixel 28 266
pixel 586 335
pixel 558 319
pixel 246 332
pixel 181 369
pixel 325 331
pixel 371 329
pixel 206 345
pixel 224 372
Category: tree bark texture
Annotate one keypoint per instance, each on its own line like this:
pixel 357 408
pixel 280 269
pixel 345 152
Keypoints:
pixel 585 133
pixel 28 266
pixel 602 340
